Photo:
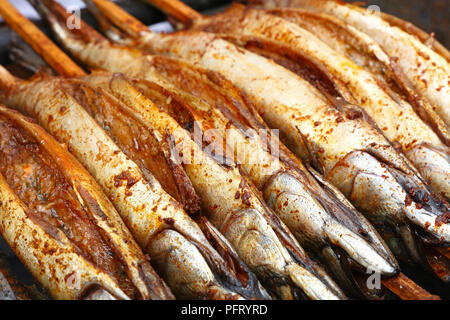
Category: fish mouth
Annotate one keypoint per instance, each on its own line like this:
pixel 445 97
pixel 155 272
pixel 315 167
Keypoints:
pixel 330 228
pixel 288 274
pixel 355 246
pixel 394 199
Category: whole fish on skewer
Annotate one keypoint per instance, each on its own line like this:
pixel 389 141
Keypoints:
pixel 367 53
pixel 315 213
pixel 303 119
pixel 193 266
pixel 393 114
pixel 231 203
pixel 257 235
pixel 59 223
pixel 154 217
pixel 426 65
pixel 358 247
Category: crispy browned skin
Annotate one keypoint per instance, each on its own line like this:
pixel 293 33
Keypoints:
pixel 179 249
pixel 287 107
pixel 364 51
pixel 396 118
pixel 35 179
pixel 135 137
pixel 426 68
pixel 283 181
pixel 71 238
pixel 220 187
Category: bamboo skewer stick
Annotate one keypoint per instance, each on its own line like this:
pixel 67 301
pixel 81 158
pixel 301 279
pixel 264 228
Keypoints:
pixel 400 285
pixel 38 41
pixel 407 289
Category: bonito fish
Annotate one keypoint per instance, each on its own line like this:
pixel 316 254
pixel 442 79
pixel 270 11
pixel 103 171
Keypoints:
pixel 336 137
pixel 59 223
pixel 426 66
pixel 162 228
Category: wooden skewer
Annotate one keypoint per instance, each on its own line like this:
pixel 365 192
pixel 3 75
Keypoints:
pixel 38 41
pixel 407 289
pixel 177 9
pixel 401 285
pixel 120 17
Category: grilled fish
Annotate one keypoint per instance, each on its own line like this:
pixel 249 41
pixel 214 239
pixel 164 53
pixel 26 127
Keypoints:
pixel 222 206
pixel 59 223
pixel 392 113
pixel 151 213
pixel 290 190
pixel 314 127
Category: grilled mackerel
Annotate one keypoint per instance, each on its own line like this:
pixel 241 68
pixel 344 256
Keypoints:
pixel 317 214
pixel 396 118
pixel 59 223
pixel 292 267
pixel 157 221
pixel 286 185
pixel 364 164
pixel 423 60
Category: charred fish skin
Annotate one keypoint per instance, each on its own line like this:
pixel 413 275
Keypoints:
pixel 49 252
pixel 196 269
pixel 367 53
pixel 427 70
pixel 394 115
pixel 206 47
pixel 438 207
pixel 142 202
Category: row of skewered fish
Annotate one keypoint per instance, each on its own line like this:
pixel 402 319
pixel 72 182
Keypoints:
pixel 140 164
